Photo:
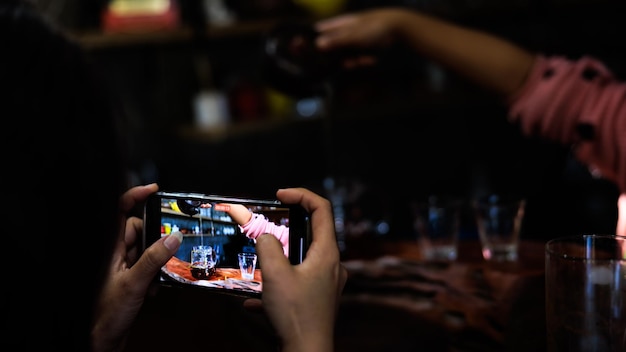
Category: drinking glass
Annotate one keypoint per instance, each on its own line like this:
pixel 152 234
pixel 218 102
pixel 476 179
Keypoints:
pixel 203 261
pixel 436 223
pixel 499 220
pixel 586 293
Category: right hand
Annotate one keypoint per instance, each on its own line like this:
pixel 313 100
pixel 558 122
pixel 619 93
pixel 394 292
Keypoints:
pixel 301 301
pixel 373 29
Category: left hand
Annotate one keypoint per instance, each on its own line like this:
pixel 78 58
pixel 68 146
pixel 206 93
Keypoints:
pixel 129 278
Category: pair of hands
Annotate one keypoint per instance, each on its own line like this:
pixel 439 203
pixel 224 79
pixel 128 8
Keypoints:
pixel 300 301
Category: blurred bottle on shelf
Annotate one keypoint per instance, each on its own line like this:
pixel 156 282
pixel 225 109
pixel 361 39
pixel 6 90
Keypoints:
pixel 293 64
pixel 280 106
pixel 210 105
pixel 217 13
pixel 247 100
pixel 140 15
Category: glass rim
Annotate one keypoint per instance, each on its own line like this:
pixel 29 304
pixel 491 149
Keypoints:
pixel 580 239
pixel 246 254
pixel 498 199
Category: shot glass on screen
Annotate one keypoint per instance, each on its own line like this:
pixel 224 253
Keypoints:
pixel 247 265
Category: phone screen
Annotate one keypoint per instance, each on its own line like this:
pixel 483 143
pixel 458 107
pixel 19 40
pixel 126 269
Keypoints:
pixel 218 249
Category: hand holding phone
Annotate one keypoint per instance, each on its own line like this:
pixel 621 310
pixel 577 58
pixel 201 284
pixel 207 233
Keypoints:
pixel 216 230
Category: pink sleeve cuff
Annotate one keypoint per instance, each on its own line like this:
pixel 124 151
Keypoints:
pixel 578 103
pixel 259 225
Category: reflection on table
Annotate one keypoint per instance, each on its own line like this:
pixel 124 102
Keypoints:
pixel 224 278
pixel 394 300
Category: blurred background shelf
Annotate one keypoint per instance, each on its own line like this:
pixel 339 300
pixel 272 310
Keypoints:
pixel 97 40
pixel 219 134
pixel 94 40
pixel 383 135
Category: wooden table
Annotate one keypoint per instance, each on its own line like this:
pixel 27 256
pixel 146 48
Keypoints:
pixel 179 271
pixel 397 302
pixel 393 301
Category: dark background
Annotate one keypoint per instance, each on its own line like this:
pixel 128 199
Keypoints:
pixel 387 136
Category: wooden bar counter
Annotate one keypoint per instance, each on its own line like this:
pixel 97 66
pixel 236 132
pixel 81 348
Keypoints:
pixel 393 301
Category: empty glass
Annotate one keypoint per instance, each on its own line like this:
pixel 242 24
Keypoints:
pixel 247 265
pixel 436 223
pixel 586 293
pixel 499 221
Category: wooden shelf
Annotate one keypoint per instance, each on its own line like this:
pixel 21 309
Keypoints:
pixel 99 40
pixel 241 29
pixel 241 129
pixel 197 216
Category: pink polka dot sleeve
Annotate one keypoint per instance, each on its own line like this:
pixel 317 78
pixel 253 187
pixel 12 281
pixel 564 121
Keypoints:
pixel 259 225
pixel 578 103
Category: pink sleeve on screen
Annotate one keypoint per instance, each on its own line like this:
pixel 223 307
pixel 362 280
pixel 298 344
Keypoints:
pixel 578 103
pixel 259 225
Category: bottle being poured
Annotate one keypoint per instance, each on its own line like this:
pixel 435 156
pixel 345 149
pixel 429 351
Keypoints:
pixel 293 64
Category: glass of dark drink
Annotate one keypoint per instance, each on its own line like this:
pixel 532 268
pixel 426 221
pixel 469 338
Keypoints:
pixel 203 261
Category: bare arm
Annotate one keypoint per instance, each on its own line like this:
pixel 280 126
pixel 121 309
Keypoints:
pixel 487 60
pixel 502 67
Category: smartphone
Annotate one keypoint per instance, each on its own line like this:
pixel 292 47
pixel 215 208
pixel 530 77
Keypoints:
pixel 218 250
